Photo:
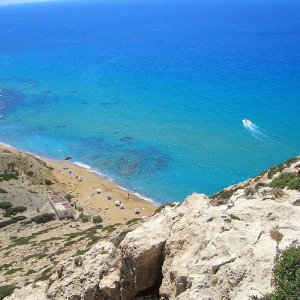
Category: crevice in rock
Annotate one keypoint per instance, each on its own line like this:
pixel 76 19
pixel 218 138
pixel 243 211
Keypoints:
pixel 259 236
pixel 152 293
pixel 117 240
pixel 216 268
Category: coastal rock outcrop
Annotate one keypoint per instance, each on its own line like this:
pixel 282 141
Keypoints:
pixel 196 250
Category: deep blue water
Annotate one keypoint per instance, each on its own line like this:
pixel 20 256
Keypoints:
pixel 153 93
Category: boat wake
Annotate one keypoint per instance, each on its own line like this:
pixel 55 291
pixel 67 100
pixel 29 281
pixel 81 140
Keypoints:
pixel 254 130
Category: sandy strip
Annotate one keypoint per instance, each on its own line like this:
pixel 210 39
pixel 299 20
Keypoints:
pixel 85 192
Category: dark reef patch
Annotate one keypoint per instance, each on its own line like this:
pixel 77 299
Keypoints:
pixel 9 99
pixel 46 92
pixel 126 138
pixel 110 103
pixel 133 162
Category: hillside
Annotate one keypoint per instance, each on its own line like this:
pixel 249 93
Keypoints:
pixel 33 240
pixel 222 247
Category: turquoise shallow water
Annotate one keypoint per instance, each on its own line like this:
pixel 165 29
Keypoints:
pixel 153 93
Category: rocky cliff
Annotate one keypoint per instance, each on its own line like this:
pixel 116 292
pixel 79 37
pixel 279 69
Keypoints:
pixel 223 247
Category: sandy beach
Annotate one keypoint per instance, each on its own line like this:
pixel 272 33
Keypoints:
pixel 83 184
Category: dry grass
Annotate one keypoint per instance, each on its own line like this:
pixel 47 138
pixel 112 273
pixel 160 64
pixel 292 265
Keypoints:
pixel 276 235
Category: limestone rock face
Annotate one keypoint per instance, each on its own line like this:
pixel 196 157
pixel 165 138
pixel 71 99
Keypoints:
pixel 192 251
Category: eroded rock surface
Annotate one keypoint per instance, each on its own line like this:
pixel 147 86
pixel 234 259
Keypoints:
pixel 191 251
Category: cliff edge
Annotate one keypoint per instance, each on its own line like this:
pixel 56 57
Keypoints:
pixel 223 247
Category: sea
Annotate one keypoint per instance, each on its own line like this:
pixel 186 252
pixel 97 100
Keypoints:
pixel 152 93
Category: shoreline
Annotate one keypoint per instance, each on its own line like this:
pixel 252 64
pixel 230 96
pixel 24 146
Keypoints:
pixel 67 172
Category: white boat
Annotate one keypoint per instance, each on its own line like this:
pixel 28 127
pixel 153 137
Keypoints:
pixel 247 122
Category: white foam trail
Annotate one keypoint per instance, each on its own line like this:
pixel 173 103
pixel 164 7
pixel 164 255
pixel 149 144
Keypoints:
pixel 255 131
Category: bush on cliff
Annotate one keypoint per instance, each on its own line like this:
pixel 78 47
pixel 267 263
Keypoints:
pixel 287 276
pixel 6 290
pixel 7 222
pixel 12 211
pixel 43 218
pixel 5 205
pixel 289 180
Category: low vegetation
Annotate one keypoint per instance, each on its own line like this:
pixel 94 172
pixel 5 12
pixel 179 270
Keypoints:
pixel 159 209
pixel 38 255
pixel 29 272
pixel 26 240
pixel 111 228
pixel 6 290
pixel 7 222
pixel 5 267
pixel 290 181
pixel 287 276
pixel 68 197
pixel 223 196
pixel 43 218
pixel 30 173
pixel 277 193
pixel 5 205
pixel 9 176
pixel 133 221
pixel 84 218
pixel 248 192
pixel 45 274
pixel 48 182
pixel 279 168
pixel 12 211
pixel 12 271
pixel 276 235
pixel 97 219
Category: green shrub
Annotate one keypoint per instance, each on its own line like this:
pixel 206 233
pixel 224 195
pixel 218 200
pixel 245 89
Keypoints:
pixel 294 184
pixel 97 219
pixel 12 271
pixel 7 222
pixel 30 173
pixel 272 172
pixel 5 267
pixel 289 180
pixel 12 211
pixel 48 182
pixel 80 208
pixel 43 218
pixel 84 218
pixel 19 218
pixel 159 209
pixel 111 228
pixel 287 276
pixel 81 252
pixel 39 255
pixel 25 222
pixel 45 274
pixel 7 177
pixel 29 272
pixel 291 161
pixel 132 221
pixel 6 290
pixel 222 195
pixel 5 205
pixel 68 197
pixel 2 191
